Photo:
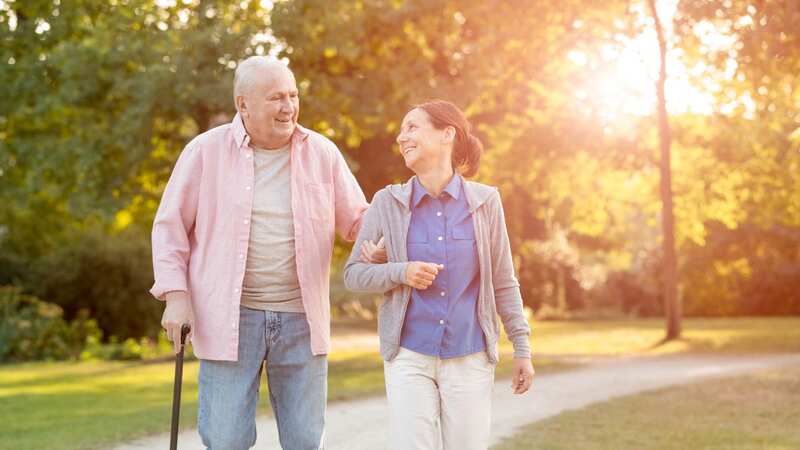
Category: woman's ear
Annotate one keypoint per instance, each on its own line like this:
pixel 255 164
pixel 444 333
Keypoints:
pixel 449 135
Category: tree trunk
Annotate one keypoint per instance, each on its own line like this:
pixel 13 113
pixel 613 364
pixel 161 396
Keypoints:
pixel 669 275
pixel 561 287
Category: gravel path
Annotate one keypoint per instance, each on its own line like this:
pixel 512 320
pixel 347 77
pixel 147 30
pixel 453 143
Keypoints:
pixel 361 424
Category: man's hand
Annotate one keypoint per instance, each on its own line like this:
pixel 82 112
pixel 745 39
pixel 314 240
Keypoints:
pixel 420 275
pixel 372 253
pixel 522 375
pixel 177 313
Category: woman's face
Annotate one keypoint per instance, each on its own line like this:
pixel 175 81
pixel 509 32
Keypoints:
pixel 421 144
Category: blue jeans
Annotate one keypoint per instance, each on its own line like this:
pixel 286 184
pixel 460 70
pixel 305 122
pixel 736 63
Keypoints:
pixel 297 381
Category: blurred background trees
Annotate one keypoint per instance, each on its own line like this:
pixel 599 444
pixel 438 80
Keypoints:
pixel 97 98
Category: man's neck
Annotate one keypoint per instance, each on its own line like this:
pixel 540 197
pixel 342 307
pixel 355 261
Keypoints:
pixel 269 144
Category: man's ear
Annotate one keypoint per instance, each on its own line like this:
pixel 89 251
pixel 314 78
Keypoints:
pixel 241 105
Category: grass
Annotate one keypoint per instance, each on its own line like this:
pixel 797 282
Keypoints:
pixel 89 405
pixel 643 336
pixel 755 411
pixel 61 406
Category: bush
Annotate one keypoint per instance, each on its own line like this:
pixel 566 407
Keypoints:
pixel 129 349
pixel 750 270
pixel 31 329
pixel 107 275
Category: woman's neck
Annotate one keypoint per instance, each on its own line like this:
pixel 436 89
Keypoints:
pixel 434 181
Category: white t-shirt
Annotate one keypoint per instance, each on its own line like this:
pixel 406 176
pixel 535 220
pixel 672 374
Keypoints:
pixel 270 279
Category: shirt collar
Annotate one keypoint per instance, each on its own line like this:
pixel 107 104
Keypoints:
pixel 453 189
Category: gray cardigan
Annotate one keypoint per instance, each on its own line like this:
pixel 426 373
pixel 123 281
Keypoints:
pixel 389 216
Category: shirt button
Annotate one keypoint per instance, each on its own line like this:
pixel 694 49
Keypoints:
pixel 442 293
pixel 247 188
pixel 248 156
pixel 438 213
pixel 236 291
pixel 241 256
pixel 441 322
pixel 246 221
pixel 440 238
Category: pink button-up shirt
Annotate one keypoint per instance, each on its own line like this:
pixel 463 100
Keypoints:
pixel 202 229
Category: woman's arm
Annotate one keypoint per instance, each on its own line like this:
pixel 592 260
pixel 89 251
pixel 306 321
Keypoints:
pixel 506 287
pixel 365 277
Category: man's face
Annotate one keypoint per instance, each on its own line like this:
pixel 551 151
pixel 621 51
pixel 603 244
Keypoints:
pixel 270 110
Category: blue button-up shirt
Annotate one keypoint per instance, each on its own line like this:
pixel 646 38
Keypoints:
pixel 442 320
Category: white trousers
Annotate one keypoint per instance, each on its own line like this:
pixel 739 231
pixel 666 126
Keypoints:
pixel 439 403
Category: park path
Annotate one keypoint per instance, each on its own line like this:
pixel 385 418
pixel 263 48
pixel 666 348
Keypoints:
pixel 362 424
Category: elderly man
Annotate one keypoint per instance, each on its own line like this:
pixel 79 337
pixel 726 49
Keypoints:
pixel 242 245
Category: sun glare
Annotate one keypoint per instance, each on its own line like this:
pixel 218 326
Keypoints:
pixel 623 80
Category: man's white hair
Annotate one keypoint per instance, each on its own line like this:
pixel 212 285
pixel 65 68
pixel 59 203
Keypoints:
pixel 252 69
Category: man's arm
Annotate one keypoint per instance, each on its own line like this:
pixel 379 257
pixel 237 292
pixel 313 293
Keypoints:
pixel 349 201
pixel 174 222
pixel 172 226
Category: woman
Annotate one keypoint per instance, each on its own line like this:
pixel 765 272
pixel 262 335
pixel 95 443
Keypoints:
pixel 449 274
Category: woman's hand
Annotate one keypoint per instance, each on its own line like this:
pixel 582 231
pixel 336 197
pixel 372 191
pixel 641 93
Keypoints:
pixel 522 375
pixel 372 253
pixel 420 275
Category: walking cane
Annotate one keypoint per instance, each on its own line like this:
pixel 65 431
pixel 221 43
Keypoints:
pixel 176 391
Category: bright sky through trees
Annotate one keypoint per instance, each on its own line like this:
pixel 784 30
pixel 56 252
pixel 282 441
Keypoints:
pixel 624 75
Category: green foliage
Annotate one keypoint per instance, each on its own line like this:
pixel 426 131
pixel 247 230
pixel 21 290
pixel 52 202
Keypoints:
pixel 364 64
pixel 108 275
pixel 744 202
pixel 96 101
pixel 31 329
pixel 745 271
pixel 128 349
pixel 91 90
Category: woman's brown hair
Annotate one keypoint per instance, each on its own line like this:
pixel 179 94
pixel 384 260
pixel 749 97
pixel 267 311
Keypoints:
pixel 467 148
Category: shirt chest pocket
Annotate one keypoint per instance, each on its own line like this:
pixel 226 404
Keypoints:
pixel 464 231
pixel 319 201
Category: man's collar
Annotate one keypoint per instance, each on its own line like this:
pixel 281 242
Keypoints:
pixel 240 135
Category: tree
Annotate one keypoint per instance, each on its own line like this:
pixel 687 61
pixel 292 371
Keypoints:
pixel 746 55
pixel 361 65
pixel 672 305
pixel 96 101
